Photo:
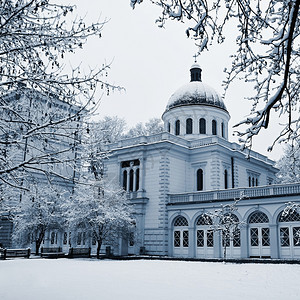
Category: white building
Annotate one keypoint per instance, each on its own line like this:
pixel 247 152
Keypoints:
pixel 173 178
pixel 50 149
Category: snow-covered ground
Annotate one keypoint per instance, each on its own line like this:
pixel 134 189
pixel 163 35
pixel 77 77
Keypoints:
pixel 43 279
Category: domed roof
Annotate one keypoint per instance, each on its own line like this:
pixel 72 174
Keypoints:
pixel 195 93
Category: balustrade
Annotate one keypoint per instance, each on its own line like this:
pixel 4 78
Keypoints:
pixel 238 193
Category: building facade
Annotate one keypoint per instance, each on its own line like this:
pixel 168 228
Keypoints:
pixel 175 178
pixel 41 149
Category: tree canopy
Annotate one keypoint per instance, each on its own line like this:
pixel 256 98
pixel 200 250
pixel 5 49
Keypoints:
pixel 43 102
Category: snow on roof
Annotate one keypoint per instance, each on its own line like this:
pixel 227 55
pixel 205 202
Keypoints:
pixel 195 92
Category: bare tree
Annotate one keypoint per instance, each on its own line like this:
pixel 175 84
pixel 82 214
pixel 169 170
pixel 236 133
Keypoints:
pixel 267 54
pixel 226 223
pixel 42 104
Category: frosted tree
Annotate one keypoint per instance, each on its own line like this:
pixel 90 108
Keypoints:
pixel 153 126
pixel 289 165
pixel 38 213
pixel 101 207
pixel 226 223
pixel 267 54
pixel 43 102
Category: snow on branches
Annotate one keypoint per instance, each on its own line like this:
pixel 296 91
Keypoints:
pixel 42 104
pixel 267 54
pixel 102 209
pixel 225 221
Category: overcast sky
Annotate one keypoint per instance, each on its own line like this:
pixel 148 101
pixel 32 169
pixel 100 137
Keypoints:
pixel 152 63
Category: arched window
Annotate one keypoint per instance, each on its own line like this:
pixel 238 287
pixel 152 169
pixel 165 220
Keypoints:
pixel 200 180
pixel 181 221
pixel 65 238
pixel 249 181
pixel 53 238
pixel 177 127
pixel 202 126
pixel 214 127
pixel 223 129
pixel 289 233
pixel 258 217
pixel 137 174
pixel 189 126
pixel 125 180
pixel 131 173
pixel 289 217
pixel 204 220
pixel 169 127
pixel 226 179
pixel 181 236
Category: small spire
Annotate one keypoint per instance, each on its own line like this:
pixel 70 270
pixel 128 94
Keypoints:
pixel 195 56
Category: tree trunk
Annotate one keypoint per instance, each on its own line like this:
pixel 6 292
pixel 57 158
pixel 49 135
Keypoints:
pixel 99 243
pixel 225 246
pixel 38 242
pixel 37 246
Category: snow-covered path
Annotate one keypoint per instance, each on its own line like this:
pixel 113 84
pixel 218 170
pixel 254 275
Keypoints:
pixel 142 280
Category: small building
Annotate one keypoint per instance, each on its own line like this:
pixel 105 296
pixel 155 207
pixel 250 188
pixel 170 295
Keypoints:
pixel 175 177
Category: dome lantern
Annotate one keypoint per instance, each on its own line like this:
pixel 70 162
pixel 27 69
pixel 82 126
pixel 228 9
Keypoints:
pixel 195 73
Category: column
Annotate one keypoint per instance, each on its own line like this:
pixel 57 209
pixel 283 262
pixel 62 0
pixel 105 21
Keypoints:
pixel 244 242
pixel 141 179
pixel 128 179
pixel 134 179
pixel 274 247
pixel 192 245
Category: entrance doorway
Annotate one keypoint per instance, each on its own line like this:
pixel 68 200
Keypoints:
pixel 180 237
pixel 259 235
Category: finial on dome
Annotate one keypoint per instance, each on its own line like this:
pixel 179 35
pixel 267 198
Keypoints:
pixel 195 72
pixel 195 56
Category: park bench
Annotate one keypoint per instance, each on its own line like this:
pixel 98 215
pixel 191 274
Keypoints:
pixel 52 252
pixel 7 253
pixel 79 252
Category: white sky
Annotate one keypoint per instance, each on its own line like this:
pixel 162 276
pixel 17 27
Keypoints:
pixel 152 63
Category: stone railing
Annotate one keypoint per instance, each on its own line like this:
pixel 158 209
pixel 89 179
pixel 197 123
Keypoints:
pixel 238 193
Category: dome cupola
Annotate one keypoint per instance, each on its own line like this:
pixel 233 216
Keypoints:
pixel 195 103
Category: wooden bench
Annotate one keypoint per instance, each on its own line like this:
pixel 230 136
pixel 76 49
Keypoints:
pixel 79 252
pixel 6 253
pixel 53 252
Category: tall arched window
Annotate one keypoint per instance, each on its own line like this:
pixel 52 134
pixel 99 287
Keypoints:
pixel 223 129
pixel 200 180
pixel 202 126
pixel 181 235
pixel 214 127
pixel 226 179
pixel 169 127
pixel 189 126
pixel 131 173
pixel 125 180
pixel 177 127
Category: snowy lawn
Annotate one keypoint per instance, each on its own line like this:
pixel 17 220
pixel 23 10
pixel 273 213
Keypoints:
pixel 43 279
